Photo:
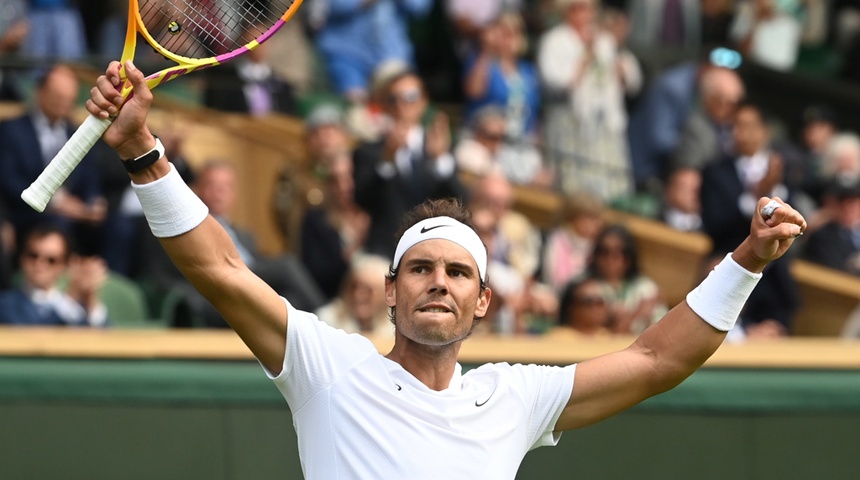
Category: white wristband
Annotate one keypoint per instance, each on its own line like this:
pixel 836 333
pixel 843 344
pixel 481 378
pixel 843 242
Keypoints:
pixel 720 298
pixel 171 208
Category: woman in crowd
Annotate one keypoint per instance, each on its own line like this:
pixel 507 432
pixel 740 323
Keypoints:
pixel 585 121
pixel 499 75
pixel 634 299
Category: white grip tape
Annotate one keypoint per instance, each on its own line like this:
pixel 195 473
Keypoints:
pixel 720 298
pixel 171 208
pixel 39 193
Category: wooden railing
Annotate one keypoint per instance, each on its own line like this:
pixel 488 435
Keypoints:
pixel 802 353
pixel 676 260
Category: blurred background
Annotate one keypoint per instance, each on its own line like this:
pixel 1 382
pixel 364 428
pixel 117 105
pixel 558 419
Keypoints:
pixel 610 153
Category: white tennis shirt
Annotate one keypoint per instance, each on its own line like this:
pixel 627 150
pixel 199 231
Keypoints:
pixel 359 415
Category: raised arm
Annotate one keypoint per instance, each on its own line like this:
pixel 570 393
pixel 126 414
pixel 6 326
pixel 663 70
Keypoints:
pixel 672 349
pixel 197 243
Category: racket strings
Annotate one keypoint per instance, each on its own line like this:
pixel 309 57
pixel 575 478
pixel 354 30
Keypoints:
pixel 209 28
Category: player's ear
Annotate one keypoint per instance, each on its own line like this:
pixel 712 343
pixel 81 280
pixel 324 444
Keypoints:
pixel 390 292
pixel 483 302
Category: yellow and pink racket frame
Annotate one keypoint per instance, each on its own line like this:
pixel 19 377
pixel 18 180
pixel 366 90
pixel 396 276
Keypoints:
pixel 39 193
pixel 184 65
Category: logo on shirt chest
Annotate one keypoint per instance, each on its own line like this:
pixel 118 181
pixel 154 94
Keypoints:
pixel 479 403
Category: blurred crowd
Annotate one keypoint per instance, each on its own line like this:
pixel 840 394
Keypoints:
pixel 558 95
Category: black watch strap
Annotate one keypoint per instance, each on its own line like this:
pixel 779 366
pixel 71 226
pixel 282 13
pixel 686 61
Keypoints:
pixel 144 161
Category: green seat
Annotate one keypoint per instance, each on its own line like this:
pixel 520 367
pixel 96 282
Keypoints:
pixel 124 300
pixel 125 303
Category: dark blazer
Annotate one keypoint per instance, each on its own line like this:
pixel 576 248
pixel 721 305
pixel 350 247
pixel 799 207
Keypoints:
pixel 17 309
pixel 322 252
pixel 224 91
pixel 386 200
pixel 831 246
pixel 776 295
pixel 21 162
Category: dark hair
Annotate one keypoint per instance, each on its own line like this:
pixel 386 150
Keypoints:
pixel 443 207
pixel 628 249
pixel 747 104
pixel 565 302
pixel 43 230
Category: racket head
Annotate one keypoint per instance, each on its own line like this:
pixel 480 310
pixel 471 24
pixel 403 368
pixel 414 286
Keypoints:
pixel 203 33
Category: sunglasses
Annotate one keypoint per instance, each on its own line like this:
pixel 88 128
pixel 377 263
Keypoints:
pixel 493 136
pixel 590 301
pixel 608 251
pixel 50 259
pixel 408 96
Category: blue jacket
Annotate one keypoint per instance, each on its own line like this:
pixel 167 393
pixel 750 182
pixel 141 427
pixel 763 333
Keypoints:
pixel 370 34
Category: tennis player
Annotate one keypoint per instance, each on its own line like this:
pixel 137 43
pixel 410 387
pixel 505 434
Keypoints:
pixel 413 413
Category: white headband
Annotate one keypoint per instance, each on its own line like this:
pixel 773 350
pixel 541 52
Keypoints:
pixel 445 228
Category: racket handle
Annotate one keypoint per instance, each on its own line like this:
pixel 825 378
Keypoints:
pixel 39 193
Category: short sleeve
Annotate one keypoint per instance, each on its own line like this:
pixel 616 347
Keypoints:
pixel 546 391
pixel 316 356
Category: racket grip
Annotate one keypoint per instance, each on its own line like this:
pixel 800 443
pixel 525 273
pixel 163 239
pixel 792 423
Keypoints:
pixel 39 193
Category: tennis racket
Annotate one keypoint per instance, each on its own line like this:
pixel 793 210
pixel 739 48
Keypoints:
pixel 193 34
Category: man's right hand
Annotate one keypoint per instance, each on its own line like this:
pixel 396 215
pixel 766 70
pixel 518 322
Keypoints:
pixel 128 134
pixel 769 237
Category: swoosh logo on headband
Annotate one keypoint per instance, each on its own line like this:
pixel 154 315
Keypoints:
pixel 427 229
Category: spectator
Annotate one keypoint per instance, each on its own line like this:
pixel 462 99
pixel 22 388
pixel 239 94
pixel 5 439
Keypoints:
pixel 485 148
pixel 837 244
pixel 470 17
pixel 617 23
pixel 634 298
pixel 30 142
pixel 56 31
pixel 583 310
pixel 767 34
pixel 585 120
pixel 659 118
pixel 682 208
pixel 717 19
pixel 515 240
pixel 45 257
pixel 355 38
pixel 840 162
pixel 327 136
pixel 249 84
pixel 360 307
pixel 842 157
pixel 570 243
pixel 411 163
pixel 13 30
pixel 499 75
pixel 216 185
pixel 819 127
pixel 513 246
pixel 666 24
pixel 333 232
pixel 707 133
pixel 7 250
pixel 730 189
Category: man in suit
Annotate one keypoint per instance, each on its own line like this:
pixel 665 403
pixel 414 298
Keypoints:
pixel 30 142
pixel 730 188
pixel 411 163
pixel 249 85
pixel 837 243
pixel 707 133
